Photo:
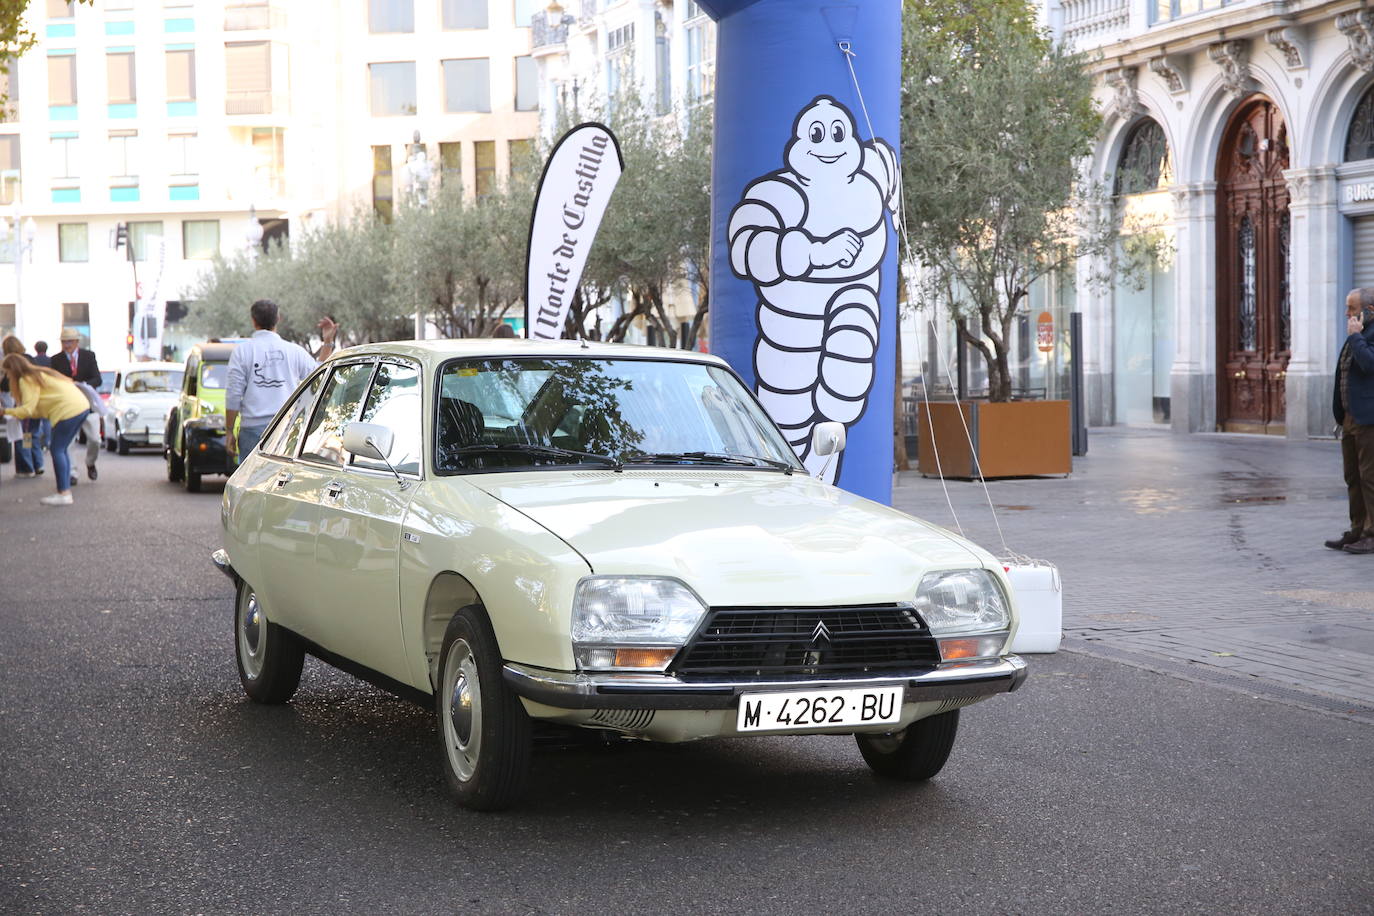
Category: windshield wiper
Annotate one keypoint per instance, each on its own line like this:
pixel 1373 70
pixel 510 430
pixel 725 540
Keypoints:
pixel 710 458
pixel 529 448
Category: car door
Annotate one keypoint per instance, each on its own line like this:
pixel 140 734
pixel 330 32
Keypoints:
pixel 266 533
pixel 357 552
pixel 186 406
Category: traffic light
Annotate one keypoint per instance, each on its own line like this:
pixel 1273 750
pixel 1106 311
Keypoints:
pixel 129 341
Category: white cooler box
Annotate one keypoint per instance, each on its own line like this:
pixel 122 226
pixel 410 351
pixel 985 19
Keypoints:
pixel 1040 601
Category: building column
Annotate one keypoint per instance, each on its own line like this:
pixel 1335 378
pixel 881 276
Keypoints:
pixel 1316 301
pixel 1193 379
pixel 1096 300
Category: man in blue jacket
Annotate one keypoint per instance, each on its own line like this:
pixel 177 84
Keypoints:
pixel 1352 402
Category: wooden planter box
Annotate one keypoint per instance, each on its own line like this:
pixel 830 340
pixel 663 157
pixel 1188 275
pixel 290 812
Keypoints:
pixel 1011 439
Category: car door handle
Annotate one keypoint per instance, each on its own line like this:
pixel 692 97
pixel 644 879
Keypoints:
pixel 333 489
pixel 283 479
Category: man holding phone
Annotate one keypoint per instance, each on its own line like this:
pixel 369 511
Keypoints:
pixel 1352 403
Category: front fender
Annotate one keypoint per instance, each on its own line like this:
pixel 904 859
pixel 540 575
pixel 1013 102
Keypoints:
pixel 522 573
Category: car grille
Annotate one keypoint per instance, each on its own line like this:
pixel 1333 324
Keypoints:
pixel 763 643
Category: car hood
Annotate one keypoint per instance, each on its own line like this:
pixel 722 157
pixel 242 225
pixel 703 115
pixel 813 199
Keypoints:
pixel 739 538
pixel 160 400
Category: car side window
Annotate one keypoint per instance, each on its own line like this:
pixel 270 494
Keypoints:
pixel 343 395
pixel 192 373
pixel 286 435
pixel 394 402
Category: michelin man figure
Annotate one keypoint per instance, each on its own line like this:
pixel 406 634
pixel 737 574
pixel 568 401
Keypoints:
pixel 811 238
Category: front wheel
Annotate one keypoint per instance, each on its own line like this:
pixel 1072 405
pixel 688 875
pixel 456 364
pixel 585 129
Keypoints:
pixel 915 753
pixel 484 731
pixel 270 658
pixel 175 466
pixel 121 444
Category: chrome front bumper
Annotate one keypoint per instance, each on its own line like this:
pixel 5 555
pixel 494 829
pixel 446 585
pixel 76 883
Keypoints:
pixel 220 558
pixel 572 690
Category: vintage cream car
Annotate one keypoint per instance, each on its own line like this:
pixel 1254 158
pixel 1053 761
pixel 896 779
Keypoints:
pixel 606 537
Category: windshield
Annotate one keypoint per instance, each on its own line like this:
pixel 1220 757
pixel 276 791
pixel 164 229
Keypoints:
pixel 214 375
pixel 152 380
pixel 506 414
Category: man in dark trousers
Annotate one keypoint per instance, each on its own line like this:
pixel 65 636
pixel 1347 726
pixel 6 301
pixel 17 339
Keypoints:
pixel 1352 403
pixel 79 365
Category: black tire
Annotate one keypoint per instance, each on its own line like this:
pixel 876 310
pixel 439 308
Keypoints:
pixel 189 478
pixel 916 753
pixel 485 735
pixel 109 444
pixel 122 444
pixel 175 466
pixel 269 657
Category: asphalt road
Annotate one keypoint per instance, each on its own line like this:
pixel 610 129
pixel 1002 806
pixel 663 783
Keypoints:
pixel 137 778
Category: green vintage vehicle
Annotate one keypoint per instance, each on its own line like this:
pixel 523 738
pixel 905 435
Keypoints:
pixel 194 439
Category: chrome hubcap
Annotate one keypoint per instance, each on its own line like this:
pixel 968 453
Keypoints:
pixel 252 635
pixel 462 713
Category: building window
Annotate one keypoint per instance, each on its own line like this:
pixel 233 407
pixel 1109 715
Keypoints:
pixel 199 239
pixel 701 44
pixel 9 168
pixel 382 191
pixel 269 161
pixel 393 88
pixel 467 84
pixel 7 319
pixel 465 14
pixel 181 156
pixel 1144 164
pixel 9 94
pixel 525 10
pixel 142 236
pixel 1166 10
pixel 123 157
pixel 526 84
pixel 78 315
pixel 63 151
pixel 181 76
pixel 60 9
pixel 72 243
pixel 1359 142
pixel 484 167
pixel 451 165
pixel 62 79
pixel 119 69
pixel 522 157
pixel 248 77
pixel 390 16
pixel 620 60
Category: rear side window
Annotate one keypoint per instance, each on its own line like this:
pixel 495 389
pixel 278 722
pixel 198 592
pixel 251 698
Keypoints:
pixel 343 395
pixel 394 402
pixel 286 435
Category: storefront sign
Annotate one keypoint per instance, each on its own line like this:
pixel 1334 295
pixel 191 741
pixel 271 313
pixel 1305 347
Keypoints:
pixel 1044 332
pixel 1358 192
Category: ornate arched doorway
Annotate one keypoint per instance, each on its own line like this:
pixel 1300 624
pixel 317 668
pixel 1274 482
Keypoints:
pixel 1254 330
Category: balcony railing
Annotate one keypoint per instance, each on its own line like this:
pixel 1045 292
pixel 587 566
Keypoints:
pixel 254 16
pixel 1094 22
pixel 543 35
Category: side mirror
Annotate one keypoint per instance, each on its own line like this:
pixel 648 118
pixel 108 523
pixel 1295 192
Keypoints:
pixel 828 438
pixel 368 440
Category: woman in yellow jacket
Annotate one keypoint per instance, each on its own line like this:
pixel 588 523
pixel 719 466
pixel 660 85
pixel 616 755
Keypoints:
pixel 41 392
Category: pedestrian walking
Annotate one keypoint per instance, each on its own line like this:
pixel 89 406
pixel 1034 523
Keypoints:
pixel 41 392
pixel 1352 404
pixel 263 371
pixel 79 364
pixel 27 435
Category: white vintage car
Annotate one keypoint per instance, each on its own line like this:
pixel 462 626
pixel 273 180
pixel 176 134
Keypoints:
pixel 141 395
pixel 597 536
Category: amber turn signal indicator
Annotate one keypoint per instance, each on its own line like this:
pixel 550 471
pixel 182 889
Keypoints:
pixel 643 658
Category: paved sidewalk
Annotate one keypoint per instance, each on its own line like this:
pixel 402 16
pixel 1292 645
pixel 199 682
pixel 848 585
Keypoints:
pixel 1196 555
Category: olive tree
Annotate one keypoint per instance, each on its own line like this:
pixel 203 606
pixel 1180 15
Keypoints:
pixel 1000 120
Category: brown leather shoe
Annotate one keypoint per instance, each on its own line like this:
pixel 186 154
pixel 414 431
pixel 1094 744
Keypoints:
pixel 1363 545
pixel 1348 537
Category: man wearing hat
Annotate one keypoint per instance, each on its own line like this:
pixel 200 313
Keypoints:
pixel 79 365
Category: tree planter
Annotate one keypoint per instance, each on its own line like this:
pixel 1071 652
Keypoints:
pixel 1010 439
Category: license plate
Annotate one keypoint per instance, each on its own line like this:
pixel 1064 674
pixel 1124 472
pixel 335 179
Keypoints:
pixel 819 708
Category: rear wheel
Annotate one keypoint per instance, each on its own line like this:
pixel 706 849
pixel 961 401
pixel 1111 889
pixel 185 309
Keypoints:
pixel 915 753
pixel 121 444
pixel 190 478
pixel 484 731
pixel 269 658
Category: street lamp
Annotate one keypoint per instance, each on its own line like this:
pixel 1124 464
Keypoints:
pixel 420 173
pixel 24 232
pixel 254 233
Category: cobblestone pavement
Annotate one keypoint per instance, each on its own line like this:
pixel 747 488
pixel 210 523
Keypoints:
pixel 1197 555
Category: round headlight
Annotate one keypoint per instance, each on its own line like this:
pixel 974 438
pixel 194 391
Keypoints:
pixel 962 601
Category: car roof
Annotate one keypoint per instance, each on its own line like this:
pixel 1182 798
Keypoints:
pixel 156 365
pixel 213 352
pixel 437 351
